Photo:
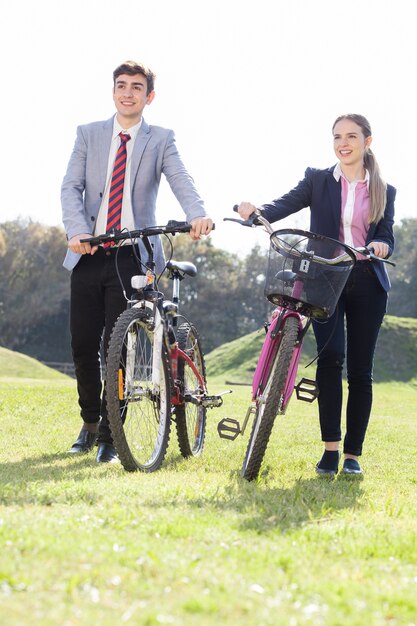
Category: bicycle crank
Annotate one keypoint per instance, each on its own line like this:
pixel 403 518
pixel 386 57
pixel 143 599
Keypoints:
pixel 229 428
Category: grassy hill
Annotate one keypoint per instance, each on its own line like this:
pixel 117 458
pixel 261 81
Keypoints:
pixel 16 365
pixel 396 356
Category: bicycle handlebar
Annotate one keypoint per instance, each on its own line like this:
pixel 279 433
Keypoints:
pixel 257 219
pixel 172 227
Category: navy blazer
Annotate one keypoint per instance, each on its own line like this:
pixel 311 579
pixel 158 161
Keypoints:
pixel 320 191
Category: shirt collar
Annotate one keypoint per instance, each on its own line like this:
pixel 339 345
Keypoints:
pixel 337 173
pixel 132 131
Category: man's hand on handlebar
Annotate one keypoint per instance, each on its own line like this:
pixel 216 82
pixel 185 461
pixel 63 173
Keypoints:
pixel 200 226
pixel 75 244
pixel 246 209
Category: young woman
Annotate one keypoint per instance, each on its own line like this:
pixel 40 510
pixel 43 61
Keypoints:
pixel 349 202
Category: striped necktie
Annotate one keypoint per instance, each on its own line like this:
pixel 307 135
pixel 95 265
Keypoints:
pixel 114 212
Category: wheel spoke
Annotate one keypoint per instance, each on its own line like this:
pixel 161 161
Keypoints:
pixel 140 420
pixel 190 417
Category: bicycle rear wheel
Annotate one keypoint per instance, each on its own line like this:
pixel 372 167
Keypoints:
pixel 269 404
pixel 138 400
pixel 190 418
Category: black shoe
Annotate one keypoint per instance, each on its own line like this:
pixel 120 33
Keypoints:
pixel 329 463
pixel 106 453
pixel 351 466
pixel 84 443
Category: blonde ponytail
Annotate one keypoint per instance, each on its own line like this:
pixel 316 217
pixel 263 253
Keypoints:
pixel 377 187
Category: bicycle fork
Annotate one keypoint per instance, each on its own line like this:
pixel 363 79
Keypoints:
pixel 306 389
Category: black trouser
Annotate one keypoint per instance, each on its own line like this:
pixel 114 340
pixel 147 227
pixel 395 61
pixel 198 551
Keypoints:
pixel 363 303
pixel 97 300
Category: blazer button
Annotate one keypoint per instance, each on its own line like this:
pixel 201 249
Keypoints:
pixel 101 195
pixel 92 218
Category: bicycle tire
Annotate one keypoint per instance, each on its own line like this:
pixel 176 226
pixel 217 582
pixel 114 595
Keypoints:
pixel 139 410
pixel 269 407
pixel 190 419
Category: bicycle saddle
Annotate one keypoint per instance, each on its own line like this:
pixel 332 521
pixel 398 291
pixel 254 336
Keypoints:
pixel 182 266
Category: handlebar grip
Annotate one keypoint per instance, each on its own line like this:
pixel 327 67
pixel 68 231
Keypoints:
pixel 93 241
pixel 183 226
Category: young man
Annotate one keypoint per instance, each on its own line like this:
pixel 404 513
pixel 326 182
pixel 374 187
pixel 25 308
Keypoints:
pixel 111 183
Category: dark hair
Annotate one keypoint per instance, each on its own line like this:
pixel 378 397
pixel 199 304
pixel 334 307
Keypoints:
pixel 377 187
pixel 131 68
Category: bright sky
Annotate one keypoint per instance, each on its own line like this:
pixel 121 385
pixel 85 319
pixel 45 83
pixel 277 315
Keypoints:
pixel 250 88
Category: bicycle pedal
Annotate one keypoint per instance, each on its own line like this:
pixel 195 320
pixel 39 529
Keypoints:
pixel 228 428
pixel 208 402
pixel 212 402
pixel 307 390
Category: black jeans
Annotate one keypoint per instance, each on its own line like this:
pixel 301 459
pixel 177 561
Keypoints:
pixel 363 304
pixel 97 300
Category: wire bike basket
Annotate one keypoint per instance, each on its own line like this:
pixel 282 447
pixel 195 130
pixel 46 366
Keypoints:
pixel 307 272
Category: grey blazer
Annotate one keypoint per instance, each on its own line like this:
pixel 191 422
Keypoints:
pixel 154 153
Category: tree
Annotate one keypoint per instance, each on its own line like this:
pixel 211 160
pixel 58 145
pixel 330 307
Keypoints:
pixel 225 300
pixel 403 296
pixel 34 291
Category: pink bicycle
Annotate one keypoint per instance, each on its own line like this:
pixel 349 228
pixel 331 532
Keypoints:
pixel 305 276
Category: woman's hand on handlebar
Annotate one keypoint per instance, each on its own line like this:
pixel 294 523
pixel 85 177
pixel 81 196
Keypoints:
pixel 75 244
pixel 246 209
pixel 379 249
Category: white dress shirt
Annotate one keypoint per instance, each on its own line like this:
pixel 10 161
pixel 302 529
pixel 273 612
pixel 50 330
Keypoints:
pixel 127 220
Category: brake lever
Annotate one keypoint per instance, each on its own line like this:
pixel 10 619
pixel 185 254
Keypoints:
pixel 378 258
pixel 251 222
pixel 369 252
pixel 248 222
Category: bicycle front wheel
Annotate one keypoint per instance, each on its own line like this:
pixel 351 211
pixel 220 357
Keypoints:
pixel 269 404
pixel 138 392
pixel 190 417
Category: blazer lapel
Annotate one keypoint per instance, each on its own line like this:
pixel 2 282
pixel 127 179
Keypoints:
pixel 336 202
pixel 104 144
pixel 142 139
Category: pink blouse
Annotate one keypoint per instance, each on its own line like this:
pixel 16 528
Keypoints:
pixel 354 222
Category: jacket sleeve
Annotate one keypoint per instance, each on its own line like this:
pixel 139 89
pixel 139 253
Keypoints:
pixel 72 190
pixel 384 229
pixel 298 198
pixel 180 181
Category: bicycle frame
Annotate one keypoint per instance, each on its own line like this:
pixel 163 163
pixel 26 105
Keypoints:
pixel 153 300
pixel 163 328
pixel 175 354
pixel 268 353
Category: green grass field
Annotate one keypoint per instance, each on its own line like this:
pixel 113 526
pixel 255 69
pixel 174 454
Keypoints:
pixel 194 544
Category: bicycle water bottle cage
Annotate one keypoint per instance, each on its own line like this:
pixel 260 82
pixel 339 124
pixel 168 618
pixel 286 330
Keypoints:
pixel 307 390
